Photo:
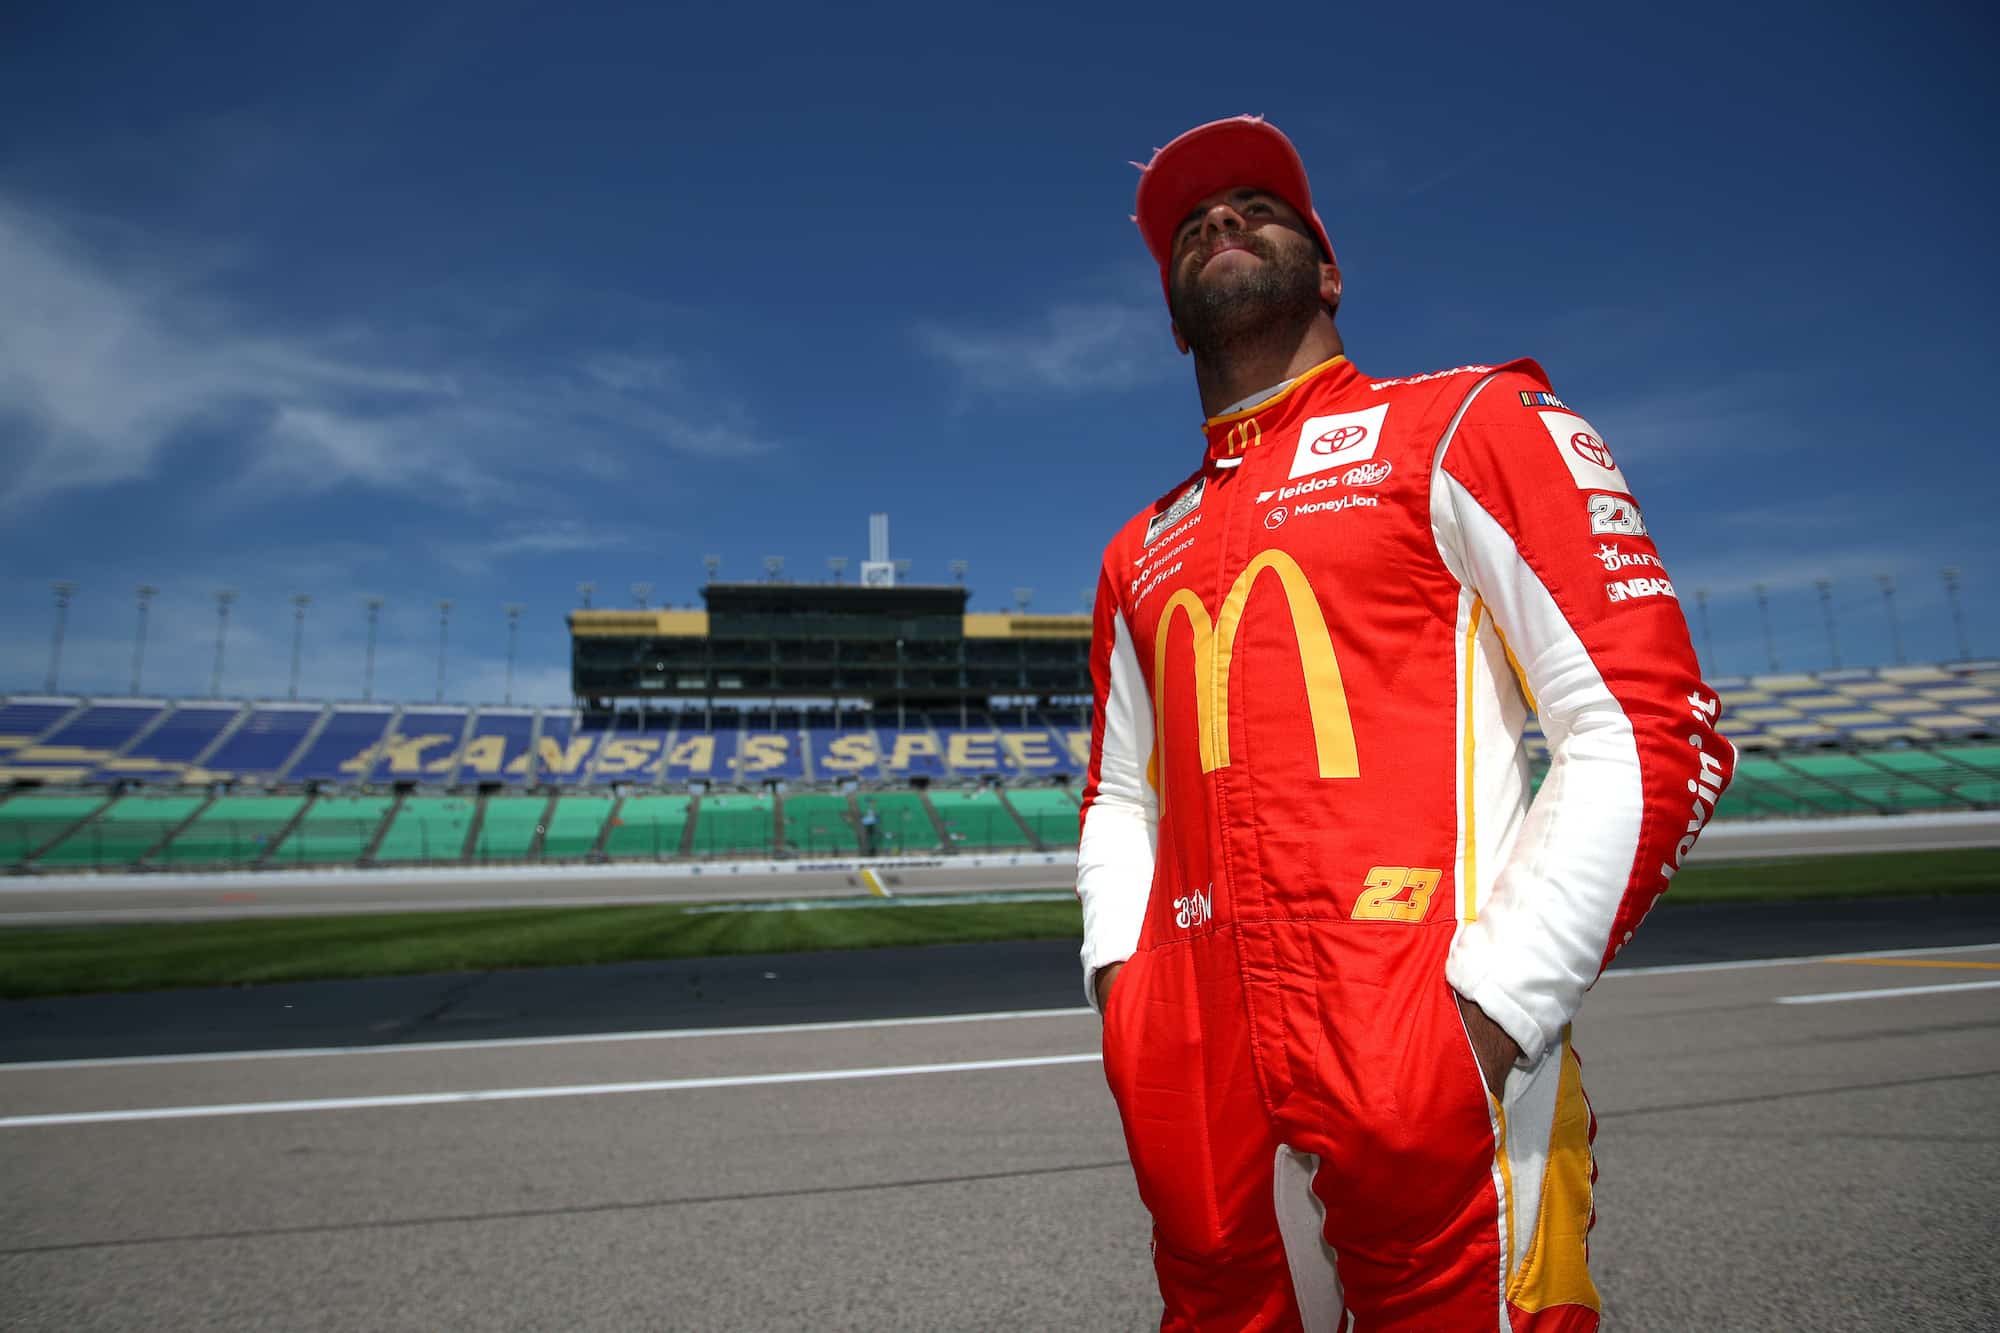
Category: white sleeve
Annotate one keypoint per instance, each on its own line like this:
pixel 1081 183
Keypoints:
pixel 1121 812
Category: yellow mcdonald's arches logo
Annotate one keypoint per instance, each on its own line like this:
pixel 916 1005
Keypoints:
pixel 1243 436
pixel 1215 650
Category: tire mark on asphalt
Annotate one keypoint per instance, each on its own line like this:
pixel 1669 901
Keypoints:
pixel 576 1210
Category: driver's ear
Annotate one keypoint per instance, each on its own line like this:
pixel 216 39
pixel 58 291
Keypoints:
pixel 1329 285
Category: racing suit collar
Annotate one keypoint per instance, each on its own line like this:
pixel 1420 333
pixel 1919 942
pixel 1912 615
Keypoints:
pixel 1231 434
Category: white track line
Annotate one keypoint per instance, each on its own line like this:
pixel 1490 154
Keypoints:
pixel 1835 997
pixel 531 1094
pixel 506 1043
pixel 1670 969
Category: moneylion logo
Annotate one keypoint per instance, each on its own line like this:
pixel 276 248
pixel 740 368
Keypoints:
pixel 1215 651
pixel 1276 518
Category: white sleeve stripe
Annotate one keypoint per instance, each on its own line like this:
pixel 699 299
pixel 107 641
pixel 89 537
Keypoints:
pixel 1121 828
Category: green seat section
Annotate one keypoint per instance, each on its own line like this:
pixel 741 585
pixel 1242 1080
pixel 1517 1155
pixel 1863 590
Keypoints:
pixel 1049 811
pixel 733 824
pixel 123 833
pixel 28 822
pixel 234 830
pixel 649 826
pixel 427 828
pixel 509 829
pixel 978 819
pixel 1981 785
pixel 819 823
pixel 334 830
pixel 902 823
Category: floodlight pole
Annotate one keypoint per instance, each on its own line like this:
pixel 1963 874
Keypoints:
pixel 642 593
pixel 368 679
pixel 713 564
pixel 1023 596
pixel 584 590
pixel 1950 574
pixel 838 565
pixel 958 568
pixel 300 601
pixel 1825 587
pixel 64 590
pixel 223 598
pixel 1764 614
pixel 146 592
pixel 513 610
pixel 774 568
pixel 1707 638
pixel 444 623
pixel 1888 583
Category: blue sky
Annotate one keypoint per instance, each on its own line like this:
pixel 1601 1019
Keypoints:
pixel 481 301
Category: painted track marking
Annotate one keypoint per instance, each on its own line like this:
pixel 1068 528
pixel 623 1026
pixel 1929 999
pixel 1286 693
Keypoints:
pixel 532 1094
pixel 1836 997
pixel 508 1043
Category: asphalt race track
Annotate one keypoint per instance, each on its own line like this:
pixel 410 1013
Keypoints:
pixel 921 1139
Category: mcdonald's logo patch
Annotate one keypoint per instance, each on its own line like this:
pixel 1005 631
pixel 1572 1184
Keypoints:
pixel 1215 651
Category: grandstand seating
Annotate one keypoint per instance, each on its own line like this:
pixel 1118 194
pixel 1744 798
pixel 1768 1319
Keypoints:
pixel 232 830
pixel 1049 812
pixel 818 824
pixel 731 823
pixel 427 828
pixel 266 740
pixel 335 830
pixel 34 820
pixel 903 822
pixel 979 819
pixel 345 748
pixel 1852 742
pixel 644 826
pixel 122 833
pixel 508 827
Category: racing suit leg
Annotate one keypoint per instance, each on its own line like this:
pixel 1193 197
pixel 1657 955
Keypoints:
pixel 1177 1057
pixel 1459 1210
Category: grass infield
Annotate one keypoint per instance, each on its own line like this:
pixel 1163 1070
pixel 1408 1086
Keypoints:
pixel 61 960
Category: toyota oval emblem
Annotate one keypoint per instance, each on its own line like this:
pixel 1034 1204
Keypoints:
pixel 1366 474
pixel 1276 518
pixel 1591 449
pixel 1339 438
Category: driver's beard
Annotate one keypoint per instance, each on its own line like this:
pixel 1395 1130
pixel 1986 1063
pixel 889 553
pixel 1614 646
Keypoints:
pixel 1217 316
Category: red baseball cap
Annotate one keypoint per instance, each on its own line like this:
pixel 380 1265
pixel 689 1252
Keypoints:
pixel 1242 150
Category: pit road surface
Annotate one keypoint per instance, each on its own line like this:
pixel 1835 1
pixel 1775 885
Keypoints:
pixel 1783 1145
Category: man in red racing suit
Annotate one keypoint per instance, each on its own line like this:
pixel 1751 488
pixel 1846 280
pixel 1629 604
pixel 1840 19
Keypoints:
pixel 1337 945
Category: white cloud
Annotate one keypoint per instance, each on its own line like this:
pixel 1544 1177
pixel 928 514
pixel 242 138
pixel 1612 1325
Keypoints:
pixel 1072 348
pixel 106 362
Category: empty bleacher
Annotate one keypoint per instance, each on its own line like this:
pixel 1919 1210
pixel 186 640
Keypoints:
pixel 426 829
pixel 231 831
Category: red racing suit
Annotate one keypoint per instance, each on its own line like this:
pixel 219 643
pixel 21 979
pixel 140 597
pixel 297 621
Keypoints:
pixel 1308 822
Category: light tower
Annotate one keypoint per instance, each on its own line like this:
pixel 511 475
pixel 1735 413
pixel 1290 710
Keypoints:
pixel 374 605
pixel 444 622
pixel 1023 596
pixel 1950 573
pixel 774 568
pixel 300 601
pixel 513 610
pixel 64 590
pixel 223 598
pixel 958 568
pixel 146 593
pixel 642 593
pixel 837 564
pixel 1825 587
pixel 1764 614
pixel 585 591
pixel 713 565
pixel 1888 582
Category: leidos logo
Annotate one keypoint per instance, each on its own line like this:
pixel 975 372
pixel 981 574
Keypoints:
pixel 1215 650
pixel 1335 441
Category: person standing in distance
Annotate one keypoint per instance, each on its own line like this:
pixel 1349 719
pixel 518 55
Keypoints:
pixel 1336 944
